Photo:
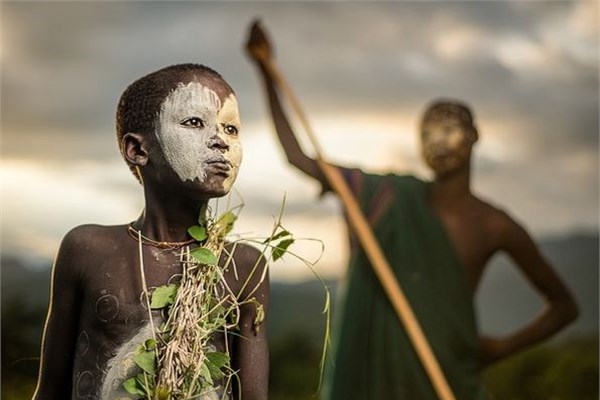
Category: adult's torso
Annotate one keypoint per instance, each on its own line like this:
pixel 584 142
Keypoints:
pixel 470 228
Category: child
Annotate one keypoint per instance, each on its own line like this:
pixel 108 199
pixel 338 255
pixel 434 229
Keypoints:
pixel 178 130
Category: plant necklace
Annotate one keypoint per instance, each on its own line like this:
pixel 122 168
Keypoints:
pixel 179 361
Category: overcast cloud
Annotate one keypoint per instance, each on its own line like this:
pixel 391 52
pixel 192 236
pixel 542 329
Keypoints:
pixel 364 71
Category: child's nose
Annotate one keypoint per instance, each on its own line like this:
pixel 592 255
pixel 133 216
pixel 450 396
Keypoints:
pixel 217 143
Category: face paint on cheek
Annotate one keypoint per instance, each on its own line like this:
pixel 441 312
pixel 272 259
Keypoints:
pixel 432 143
pixel 445 145
pixel 229 115
pixel 457 140
pixel 186 148
pixel 445 138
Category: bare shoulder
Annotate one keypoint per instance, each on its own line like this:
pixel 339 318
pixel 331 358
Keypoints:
pixel 86 243
pixel 250 265
pixel 247 257
pixel 91 237
pixel 501 224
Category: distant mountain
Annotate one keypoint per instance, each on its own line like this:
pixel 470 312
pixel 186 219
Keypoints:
pixel 296 309
pixel 29 285
pixel 504 301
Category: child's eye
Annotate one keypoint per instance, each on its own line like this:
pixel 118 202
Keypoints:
pixel 231 130
pixel 193 122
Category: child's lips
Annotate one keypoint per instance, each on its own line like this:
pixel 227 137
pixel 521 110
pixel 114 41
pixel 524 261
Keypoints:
pixel 221 165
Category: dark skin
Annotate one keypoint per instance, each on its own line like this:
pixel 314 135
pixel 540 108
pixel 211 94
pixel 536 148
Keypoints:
pixel 96 301
pixel 476 229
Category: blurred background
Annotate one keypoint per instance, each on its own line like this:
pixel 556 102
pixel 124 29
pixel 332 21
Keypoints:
pixel 364 71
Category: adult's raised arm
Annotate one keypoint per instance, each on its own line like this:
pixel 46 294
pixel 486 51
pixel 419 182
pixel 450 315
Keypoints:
pixel 260 51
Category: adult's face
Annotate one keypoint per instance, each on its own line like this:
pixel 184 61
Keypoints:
pixel 446 145
pixel 198 132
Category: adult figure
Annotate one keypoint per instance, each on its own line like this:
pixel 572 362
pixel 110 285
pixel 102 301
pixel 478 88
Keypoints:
pixel 438 236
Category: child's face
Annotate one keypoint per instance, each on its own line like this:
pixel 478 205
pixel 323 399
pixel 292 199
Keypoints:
pixel 198 133
pixel 446 144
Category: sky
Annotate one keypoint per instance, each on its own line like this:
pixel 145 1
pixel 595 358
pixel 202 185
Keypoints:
pixel 364 71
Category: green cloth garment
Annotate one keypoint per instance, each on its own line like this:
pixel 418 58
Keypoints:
pixel 373 358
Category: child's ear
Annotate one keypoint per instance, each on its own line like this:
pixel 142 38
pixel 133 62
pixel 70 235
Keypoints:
pixel 135 149
pixel 474 135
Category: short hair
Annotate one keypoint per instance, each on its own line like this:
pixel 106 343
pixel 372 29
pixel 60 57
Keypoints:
pixel 140 103
pixel 445 108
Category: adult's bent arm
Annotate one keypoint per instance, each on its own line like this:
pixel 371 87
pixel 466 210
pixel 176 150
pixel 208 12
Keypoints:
pixel 560 307
pixel 60 331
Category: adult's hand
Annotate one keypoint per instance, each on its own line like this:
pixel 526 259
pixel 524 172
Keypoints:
pixel 258 46
pixel 492 350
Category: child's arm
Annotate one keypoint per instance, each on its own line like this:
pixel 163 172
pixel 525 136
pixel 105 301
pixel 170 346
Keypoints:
pixel 560 308
pixel 60 332
pixel 251 352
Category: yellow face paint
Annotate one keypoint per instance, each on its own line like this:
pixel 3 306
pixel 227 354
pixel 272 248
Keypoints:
pixel 198 135
pixel 446 144
pixel 228 117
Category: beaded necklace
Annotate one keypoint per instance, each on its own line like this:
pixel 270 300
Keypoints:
pixel 137 235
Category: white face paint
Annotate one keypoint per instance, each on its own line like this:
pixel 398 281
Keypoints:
pixel 445 144
pixel 192 121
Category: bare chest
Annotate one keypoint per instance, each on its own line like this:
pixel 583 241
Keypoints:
pixel 473 242
pixel 115 318
pixel 113 290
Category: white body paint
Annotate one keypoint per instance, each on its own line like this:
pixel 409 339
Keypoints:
pixel 122 367
pixel 187 149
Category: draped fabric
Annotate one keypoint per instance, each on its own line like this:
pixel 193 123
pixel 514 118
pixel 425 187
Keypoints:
pixel 372 356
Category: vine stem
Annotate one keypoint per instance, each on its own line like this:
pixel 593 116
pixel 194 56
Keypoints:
pixel 144 285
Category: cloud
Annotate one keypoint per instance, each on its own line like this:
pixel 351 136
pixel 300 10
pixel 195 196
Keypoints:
pixel 44 201
pixel 364 72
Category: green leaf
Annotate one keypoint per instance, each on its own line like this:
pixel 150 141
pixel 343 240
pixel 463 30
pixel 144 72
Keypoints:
pixel 163 296
pixel 150 344
pixel 226 221
pixel 218 359
pixel 280 249
pixel 280 235
pixel 204 256
pixel 146 361
pixel 215 372
pixel 145 383
pixel 131 386
pixel 214 362
pixel 205 373
pixel 197 232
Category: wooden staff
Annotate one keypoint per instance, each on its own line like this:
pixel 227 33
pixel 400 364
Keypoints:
pixel 367 239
